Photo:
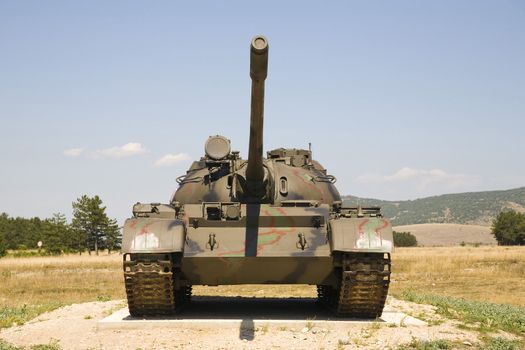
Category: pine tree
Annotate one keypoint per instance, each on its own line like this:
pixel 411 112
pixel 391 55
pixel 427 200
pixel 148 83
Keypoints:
pixel 113 236
pixel 54 234
pixel 91 223
pixel 80 225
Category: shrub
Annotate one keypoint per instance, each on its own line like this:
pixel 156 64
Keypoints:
pixel 404 239
pixel 509 228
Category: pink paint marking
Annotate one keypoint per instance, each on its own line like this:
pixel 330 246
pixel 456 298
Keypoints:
pixel 378 233
pixel 360 228
pixel 272 230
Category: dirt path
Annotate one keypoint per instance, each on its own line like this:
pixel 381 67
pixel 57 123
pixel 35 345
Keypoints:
pixel 75 327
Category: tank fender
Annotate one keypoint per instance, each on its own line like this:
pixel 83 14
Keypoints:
pixel 153 235
pixel 369 234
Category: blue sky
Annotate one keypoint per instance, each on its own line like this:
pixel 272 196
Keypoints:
pixel 400 99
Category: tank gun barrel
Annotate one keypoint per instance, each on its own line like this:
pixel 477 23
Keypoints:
pixel 258 73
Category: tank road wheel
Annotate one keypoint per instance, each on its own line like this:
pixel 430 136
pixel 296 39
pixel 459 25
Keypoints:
pixel 183 296
pixel 362 288
pixel 187 294
pixel 151 282
pixel 327 296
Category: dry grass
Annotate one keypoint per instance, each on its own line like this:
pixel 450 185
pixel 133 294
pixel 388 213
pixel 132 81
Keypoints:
pixel 66 279
pixel 492 274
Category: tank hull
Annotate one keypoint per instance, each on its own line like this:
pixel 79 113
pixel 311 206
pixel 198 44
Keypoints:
pixel 167 250
pixel 258 270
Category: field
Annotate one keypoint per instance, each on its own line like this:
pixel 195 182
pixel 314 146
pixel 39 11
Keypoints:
pixel 437 276
pixel 492 273
pixel 446 235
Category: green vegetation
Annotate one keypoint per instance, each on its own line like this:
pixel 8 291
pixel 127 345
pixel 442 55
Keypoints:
pixel 509 228
pixel 426 345
pixel 460 208
pixel 3 247
pixel 10 316
pixel 500 343
pixel 51 346
pixel 476 314
pixel 56 234
pixel 19 232
pixel 404 239
pixel 91 229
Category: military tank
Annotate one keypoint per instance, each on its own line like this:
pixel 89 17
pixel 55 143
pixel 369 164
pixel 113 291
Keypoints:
pixel 273 220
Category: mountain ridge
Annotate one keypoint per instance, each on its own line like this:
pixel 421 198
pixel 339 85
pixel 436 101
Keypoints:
pixel 474 208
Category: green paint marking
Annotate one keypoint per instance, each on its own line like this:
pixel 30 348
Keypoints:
pixel 370 228
pixel 141 224
pixel 280 220
pixel 372 225
pixel 273 211
pixel 307 177
pixel 266 239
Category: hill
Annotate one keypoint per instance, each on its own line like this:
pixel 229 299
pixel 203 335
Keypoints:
pixel 445 235
pixel 473 208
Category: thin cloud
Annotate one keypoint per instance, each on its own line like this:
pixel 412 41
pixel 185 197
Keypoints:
pixel 420 178
pixel 128 150
pixel 73 152
pixel 172 159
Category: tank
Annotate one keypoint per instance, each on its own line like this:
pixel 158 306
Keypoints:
pixel 277 219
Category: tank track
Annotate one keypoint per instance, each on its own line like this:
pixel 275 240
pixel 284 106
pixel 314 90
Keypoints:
pixel 152 284
pixel 363 286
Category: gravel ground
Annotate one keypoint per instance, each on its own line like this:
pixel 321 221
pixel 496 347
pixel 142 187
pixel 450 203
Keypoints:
pixel 75 327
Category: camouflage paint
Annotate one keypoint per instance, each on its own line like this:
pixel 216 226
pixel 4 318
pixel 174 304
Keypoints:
pixel 368 234
pixel 276 233
pixel 153 235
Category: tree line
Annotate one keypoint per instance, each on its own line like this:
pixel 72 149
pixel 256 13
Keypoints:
pixel 90 230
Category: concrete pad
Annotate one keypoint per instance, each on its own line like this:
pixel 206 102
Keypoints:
pixel 240 312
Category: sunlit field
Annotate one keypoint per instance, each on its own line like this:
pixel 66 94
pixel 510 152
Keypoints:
pixel 64 279
pixel 493 274
pixel 486 273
